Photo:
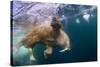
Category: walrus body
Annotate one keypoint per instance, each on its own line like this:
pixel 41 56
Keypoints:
pixel 49 33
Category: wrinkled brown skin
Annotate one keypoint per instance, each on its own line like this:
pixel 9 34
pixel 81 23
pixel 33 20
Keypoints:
pixel 48 35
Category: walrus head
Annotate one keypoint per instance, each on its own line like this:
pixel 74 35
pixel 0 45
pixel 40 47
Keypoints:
pixel 56 25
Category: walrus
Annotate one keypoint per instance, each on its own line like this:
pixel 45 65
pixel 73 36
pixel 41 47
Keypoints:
pixel 50 33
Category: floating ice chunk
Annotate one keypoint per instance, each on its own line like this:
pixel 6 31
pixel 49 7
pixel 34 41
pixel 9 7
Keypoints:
pixel 77 21
pixel 92 15
pixel 86 17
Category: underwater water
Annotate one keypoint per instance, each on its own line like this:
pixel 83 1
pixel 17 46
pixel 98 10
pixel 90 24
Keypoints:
pixel 82 31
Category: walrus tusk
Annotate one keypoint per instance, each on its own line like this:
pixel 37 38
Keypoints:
pixel 63 50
